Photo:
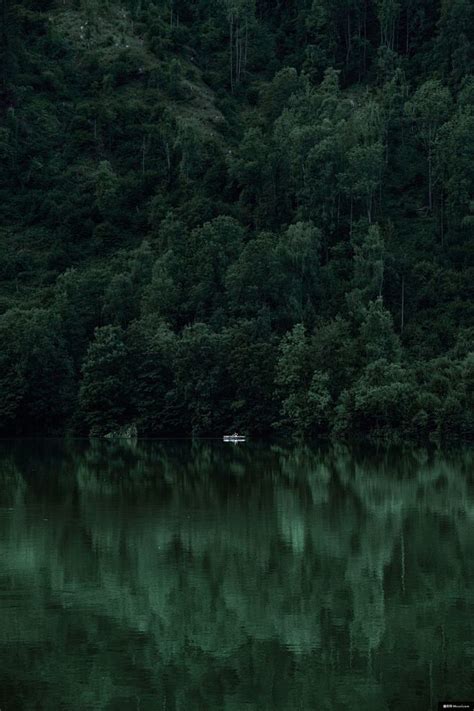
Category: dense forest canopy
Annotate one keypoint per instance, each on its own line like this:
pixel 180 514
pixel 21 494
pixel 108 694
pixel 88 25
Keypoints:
pixel 237 214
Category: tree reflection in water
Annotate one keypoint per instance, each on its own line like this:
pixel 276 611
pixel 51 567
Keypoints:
pixel 181 575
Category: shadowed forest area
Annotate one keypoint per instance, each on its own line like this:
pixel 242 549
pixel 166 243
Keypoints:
pixel 237 214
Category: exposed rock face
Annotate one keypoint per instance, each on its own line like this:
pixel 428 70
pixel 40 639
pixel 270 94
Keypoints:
pixel 125 432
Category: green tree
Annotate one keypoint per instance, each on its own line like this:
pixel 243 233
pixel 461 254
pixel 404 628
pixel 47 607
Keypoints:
pixel 381 400
pixel 365 173
pixel 377 335
pixel 37 380
pixel 337 352
pixel 104 394
pixel 255 281
pixel 369 262
pixel 120 305
pixel 428 109
pixel 253 170
pixel 253 349
pixel 453 49
pixel 152 348
pixel 11 45
pixel 78 300
pixel 299 251
pixel 202 383
pixel 454 154
pixel 106 186
pixel 241 16
pixel 387 14
pixel 304 393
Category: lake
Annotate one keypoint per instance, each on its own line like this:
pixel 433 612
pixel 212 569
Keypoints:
pixel 202 575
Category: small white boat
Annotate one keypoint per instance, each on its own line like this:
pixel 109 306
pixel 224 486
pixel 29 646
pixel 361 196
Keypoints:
pixel 234 438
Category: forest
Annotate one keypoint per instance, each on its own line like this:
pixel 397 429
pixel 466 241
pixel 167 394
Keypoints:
pixel 237 214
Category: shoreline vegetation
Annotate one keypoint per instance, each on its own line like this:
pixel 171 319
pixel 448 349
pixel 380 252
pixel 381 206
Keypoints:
pixel 237 215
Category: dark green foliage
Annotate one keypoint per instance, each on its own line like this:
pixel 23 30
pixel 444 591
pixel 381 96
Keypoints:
pixel 36 373
pixel 378 338
pixel 237 214
pixel 251 363
pixel 105 391
pixel 156 407
pixel 381 400
pixel 201 379
pixel 304 392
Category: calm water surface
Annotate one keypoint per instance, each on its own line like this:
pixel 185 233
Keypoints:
pixel 207 576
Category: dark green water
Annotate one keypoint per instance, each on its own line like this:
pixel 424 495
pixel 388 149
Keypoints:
pixel 209 576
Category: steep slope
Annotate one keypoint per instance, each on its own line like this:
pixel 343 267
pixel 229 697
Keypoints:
pixel 237 214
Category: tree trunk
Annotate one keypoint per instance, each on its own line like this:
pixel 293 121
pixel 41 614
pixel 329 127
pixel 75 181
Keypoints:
pixel 238 53
pixel 365 36
pixel 430 187
pixel 246 42
pixel 407 38
pixel 168 159
pixel 402 551
pixel 231 53
pixel 349 42
pixel 402 323
pixel 442 219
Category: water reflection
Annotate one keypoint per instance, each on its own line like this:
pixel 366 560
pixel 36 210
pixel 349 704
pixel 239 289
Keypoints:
pixel 202 576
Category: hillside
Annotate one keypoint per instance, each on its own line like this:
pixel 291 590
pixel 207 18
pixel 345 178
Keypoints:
pixel 237 214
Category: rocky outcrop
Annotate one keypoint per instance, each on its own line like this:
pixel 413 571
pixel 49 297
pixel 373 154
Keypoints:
pixel 126 432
